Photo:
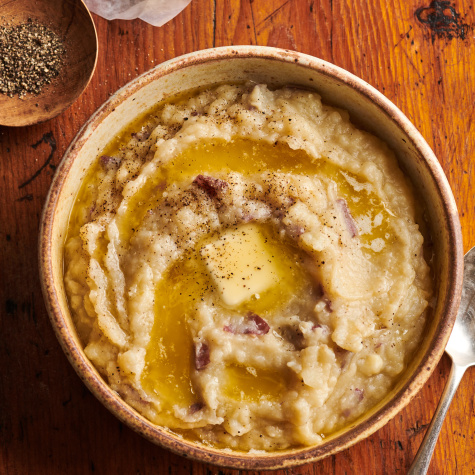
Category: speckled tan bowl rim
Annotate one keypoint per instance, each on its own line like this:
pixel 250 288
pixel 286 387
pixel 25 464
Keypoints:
pixel 243 460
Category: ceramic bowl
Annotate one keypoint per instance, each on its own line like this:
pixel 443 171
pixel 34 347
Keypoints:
pixel 372 111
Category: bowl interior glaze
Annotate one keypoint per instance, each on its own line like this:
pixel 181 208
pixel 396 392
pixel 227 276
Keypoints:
pixel 371 110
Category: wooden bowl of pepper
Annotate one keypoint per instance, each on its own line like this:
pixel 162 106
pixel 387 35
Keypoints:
pixel 48 52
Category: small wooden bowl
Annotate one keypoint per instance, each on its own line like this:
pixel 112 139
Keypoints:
pixel 71 20
pixel 277 67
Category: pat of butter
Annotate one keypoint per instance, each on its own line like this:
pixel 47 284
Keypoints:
pixel 241 264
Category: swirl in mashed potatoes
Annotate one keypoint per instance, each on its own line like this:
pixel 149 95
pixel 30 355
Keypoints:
pixel 247 269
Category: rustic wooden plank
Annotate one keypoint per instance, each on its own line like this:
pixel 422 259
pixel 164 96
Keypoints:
pixel 49 422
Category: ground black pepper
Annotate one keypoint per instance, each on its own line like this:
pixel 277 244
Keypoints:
pixel 31 55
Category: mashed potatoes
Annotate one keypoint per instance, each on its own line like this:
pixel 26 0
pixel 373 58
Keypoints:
pixel 247 270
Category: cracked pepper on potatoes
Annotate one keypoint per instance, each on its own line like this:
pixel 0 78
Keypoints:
pixel 246 269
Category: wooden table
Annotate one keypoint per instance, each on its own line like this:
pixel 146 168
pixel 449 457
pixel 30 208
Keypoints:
pixel 49 422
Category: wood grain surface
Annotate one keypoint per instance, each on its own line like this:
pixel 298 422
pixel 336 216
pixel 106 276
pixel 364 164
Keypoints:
pixel 420 56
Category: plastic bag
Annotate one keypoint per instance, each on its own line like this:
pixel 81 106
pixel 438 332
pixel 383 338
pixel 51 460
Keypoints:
pixel 155 12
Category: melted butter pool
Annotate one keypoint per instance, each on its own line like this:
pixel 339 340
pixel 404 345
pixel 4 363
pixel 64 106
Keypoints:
pixel 254 385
